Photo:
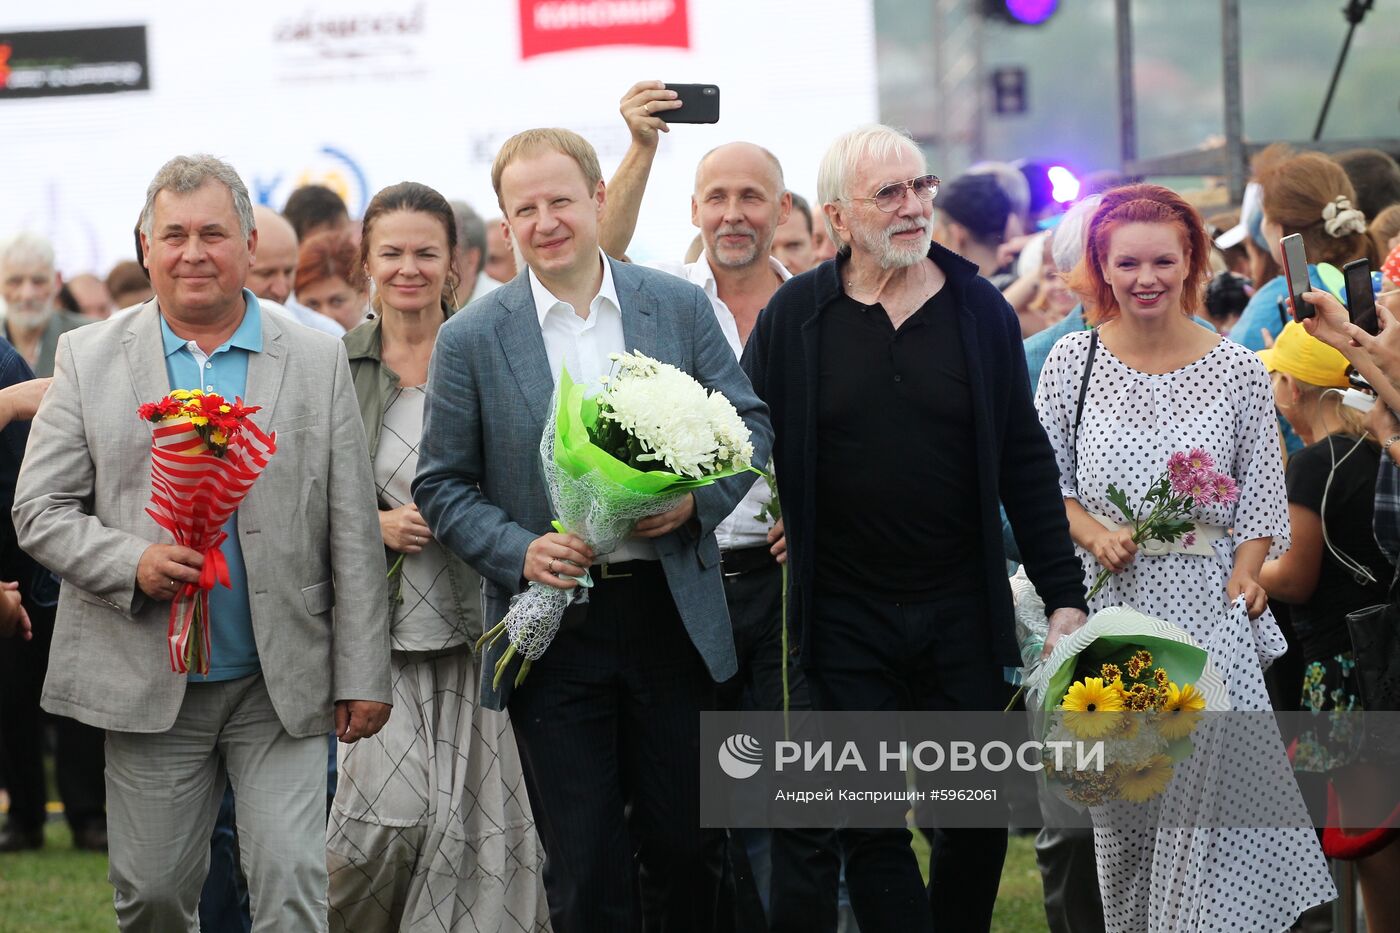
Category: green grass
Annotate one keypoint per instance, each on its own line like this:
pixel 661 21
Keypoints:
pixel 1019 907
pixel 57 888
pixel 61 889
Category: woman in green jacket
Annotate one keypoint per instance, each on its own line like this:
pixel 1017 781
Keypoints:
pixel 431 827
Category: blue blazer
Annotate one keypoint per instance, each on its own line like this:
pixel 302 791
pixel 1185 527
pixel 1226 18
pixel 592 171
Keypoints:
pixel 480 483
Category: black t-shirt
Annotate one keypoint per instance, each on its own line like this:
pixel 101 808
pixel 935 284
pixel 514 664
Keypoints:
pixel 1321 621
pixel 896 479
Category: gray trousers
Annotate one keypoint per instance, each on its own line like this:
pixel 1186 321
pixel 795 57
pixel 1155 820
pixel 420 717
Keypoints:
pixel 163 794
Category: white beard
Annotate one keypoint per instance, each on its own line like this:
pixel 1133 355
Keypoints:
pixel 24 318
pixel 890 255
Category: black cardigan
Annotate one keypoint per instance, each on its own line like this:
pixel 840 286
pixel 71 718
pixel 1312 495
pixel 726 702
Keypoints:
pixel 1015 461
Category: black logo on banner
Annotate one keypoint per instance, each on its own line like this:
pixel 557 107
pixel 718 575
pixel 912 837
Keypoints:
pixel 61 62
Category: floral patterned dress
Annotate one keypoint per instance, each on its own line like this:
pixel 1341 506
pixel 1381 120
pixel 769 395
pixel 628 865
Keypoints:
pixel 1228 845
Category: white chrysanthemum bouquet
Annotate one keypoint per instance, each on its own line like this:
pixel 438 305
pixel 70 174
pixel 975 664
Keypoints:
pixel 652 435
pixel 652 416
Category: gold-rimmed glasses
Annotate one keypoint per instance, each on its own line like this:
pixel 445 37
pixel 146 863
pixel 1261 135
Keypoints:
pixel 891 196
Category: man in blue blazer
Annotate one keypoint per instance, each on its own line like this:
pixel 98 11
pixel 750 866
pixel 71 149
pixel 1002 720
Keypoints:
pixel 608 719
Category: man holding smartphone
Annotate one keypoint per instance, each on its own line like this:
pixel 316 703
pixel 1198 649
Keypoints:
pixel 739 202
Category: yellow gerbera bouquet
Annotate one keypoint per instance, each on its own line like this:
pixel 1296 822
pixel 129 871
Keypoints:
pixel 1136 685
pixel 1141 715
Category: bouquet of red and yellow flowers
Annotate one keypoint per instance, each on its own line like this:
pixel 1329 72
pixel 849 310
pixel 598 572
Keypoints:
pixel 205 455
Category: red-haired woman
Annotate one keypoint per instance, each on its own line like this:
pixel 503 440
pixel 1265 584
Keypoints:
pixel 1117 402
pixel 326 266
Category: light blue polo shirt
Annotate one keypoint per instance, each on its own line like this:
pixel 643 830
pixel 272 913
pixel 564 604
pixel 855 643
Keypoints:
pixel 233 652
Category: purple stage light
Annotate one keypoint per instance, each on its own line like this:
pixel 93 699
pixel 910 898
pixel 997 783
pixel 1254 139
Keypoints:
pixel 1032 12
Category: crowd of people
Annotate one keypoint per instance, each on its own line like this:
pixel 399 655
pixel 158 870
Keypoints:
pixel 946 377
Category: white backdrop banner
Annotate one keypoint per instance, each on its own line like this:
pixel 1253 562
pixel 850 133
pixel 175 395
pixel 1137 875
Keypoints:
pixel 361 94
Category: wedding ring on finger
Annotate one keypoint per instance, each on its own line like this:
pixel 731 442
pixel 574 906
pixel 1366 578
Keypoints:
pixel 552 571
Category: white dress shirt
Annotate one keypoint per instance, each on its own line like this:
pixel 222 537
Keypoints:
pixel 741 528
pixel 485 285
pixel 583 345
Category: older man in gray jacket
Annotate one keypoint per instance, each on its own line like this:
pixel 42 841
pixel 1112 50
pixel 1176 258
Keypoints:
pixel 283 666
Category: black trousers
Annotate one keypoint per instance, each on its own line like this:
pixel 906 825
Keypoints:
pixel 802 892
pixel 867 654
pixel 608 724
pixel 78 758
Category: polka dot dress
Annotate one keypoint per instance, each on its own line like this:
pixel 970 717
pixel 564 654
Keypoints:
pixel 1207 853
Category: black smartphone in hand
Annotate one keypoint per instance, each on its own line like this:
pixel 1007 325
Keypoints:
pixel 1295 272
pixel 699 104
pixel 1361 300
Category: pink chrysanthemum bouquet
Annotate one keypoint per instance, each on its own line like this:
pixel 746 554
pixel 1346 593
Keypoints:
pixel 1190 480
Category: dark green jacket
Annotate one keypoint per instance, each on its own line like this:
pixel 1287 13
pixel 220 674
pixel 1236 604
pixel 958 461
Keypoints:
pixel 373 383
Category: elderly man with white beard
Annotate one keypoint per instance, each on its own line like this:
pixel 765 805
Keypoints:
pixel 28 300
pixel 897 370
pixel 33 322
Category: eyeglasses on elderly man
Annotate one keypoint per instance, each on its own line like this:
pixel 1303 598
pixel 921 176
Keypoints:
pixel 891 196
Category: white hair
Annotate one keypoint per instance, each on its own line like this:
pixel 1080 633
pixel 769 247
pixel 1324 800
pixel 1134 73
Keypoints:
pixel 27 247
pixel 873 141
pixel 184 174
pixel 1068 242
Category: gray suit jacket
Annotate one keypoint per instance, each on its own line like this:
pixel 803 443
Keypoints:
pixel 480 484
pixel 308 529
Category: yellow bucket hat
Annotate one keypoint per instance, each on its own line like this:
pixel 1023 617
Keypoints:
pixel 1304 357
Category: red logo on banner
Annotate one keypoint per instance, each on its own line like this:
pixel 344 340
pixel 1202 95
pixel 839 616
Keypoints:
pixel 560 25
pixel 5 52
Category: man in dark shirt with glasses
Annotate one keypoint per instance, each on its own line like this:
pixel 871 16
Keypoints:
pixel 897 386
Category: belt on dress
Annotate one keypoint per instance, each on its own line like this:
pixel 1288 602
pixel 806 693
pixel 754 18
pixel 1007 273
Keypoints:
pixel 1197 541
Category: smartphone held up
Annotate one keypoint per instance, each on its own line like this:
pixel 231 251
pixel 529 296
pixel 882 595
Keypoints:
pixel 1361 296
pixel 699 104
pixel 1295 273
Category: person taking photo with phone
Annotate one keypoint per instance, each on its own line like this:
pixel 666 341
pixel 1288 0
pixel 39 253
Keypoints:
pixel 738 203
pixel 1333 568
pixel 1310 195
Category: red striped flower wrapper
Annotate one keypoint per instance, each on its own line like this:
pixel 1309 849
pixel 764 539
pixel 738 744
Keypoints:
pixel 205 455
